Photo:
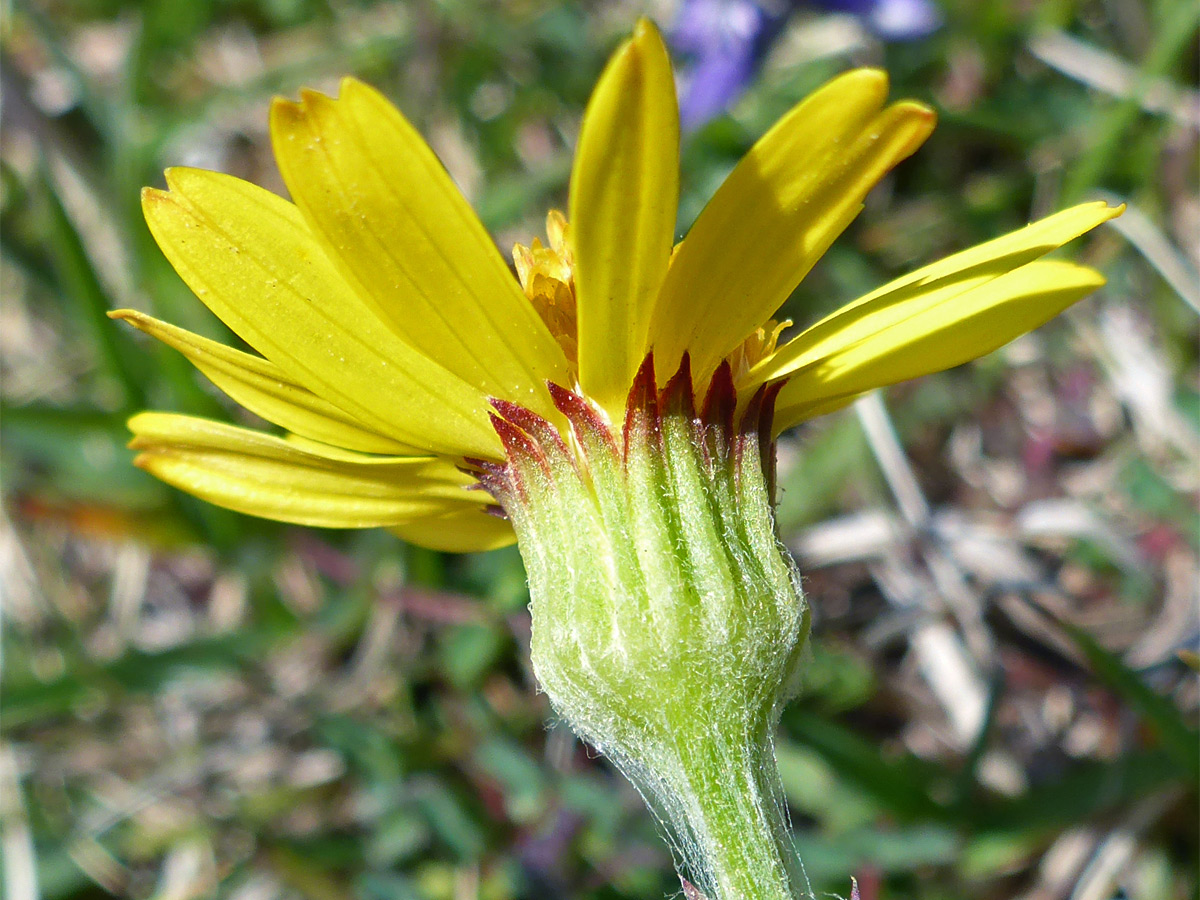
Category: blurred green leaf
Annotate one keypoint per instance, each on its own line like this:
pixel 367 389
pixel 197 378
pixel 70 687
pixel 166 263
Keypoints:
pixel 809 487
pixel 135 671
pixel 78 278
pixel 901 784
pixel 1174 35
pixel 1087 790
pixel 520 776
pixel 1179 740
pixel 828 859
pixel 450 820
pixel 468 651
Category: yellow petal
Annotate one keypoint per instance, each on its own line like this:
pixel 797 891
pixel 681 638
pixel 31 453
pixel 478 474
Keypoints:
pixel 398 228
pixel 777 213
pixel 261 475
pixel 796 409
pixel 624 194
pixel 460 531
pixel 266 390
pixel 922 332
pixel 936 283
pixel 249 256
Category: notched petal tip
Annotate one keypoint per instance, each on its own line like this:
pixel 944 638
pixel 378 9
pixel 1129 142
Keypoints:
pixel 158 203
pixel 147 433
pixel 178 178
pixel 283 109
pixel 152 195
pixel 311 98
pixel 291 117
pixel 187 183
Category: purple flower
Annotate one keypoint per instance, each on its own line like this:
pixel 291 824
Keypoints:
pixel 721 43
pixel 891 20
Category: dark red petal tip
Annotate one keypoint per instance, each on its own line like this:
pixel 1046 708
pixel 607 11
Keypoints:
pixel 766 419
pixel 589 426
pixel 518 446
pixel 752 415
pixel 721 399
pixel 529 422
pixel 720 405
pixel 471 464
pixel 498 481
pixel 641 409
pixel 766 437
pixel 644 382
pixel 677 397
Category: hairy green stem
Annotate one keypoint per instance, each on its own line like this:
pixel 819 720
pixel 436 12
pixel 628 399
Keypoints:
pixel 740 849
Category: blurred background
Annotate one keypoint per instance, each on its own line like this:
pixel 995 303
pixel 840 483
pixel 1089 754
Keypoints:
pixel 1001 699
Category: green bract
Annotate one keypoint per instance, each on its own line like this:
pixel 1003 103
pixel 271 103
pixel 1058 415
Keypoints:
pixel 668 620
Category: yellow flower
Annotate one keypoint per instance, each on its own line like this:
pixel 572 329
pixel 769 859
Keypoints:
pixel 387 320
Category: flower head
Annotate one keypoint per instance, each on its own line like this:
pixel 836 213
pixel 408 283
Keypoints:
pixel 388 322
pixel 617 402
